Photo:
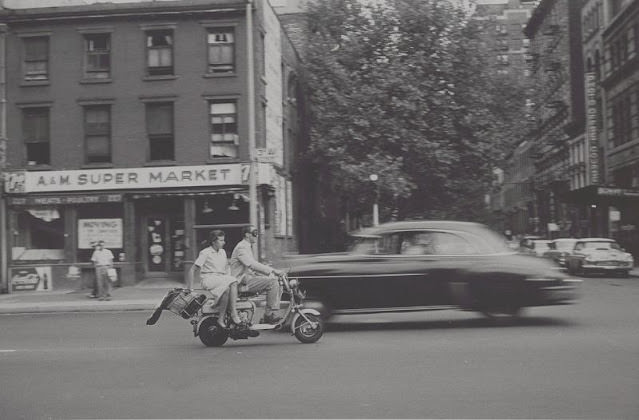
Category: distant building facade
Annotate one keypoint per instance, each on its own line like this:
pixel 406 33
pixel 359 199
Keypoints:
pixel 128 122
pixel 584 58
pixel 502 24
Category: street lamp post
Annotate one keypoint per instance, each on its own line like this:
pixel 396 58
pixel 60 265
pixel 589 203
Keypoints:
pixel 374 178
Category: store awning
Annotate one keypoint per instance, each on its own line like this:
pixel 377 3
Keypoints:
pixel 191 193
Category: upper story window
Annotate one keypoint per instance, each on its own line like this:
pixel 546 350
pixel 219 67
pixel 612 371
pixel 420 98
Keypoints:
pixel 223 127
pixel 159 52
pixel 35 132
pixel 97 133
pixel 97 56
pixel 160 132
pixel 36 58
pixel 221 50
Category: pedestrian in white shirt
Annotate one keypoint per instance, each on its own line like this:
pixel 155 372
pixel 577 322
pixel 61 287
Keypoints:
pixel 102 259
pixel 214 272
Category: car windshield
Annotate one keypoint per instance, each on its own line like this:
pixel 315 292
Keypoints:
pixel 601 245
pixel 563 245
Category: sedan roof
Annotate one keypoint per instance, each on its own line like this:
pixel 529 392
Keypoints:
pixel 596 240
pixel 420 224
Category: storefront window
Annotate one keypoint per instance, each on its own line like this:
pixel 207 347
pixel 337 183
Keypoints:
pixel 104 222
pixel 39 234
pixel 228 212
pixel 222 209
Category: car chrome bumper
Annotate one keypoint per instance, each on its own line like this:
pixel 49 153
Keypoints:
pixel 615 267
pixel 568 291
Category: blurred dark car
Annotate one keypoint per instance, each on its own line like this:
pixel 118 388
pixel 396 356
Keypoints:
pixel 599 255
pixel 426 265
pixel 559 249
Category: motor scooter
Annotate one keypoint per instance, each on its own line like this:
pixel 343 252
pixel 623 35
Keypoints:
pixel 199 306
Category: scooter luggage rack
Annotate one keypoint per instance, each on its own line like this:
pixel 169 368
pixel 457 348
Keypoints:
pixel 186 303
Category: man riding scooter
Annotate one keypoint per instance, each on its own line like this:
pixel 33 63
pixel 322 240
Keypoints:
pixel 244 268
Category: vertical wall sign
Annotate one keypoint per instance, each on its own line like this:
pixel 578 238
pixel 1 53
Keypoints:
pixel 592 129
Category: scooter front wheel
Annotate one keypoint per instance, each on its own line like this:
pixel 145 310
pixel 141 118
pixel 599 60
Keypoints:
pixel 211 335
pixel 308 332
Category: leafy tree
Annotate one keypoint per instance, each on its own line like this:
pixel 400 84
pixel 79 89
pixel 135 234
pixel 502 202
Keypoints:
pixel 402 89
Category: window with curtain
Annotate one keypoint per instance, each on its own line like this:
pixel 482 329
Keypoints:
pixel 35 131
pixel 159 51
pixel 36 58
pixel 97 132
pixel 159 128
pixel 98 56
pixel 221 45
pixel 223 127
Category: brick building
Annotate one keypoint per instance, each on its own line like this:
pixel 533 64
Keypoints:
pixel 132 122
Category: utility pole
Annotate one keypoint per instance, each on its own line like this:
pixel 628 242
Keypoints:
pixel 4 252
pixel 250 75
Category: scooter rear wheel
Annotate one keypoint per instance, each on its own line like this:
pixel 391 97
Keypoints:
pixel 305 332
pixel 211 335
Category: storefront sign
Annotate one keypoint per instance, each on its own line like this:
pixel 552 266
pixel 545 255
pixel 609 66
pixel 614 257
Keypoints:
pixel 123 178
pixel 31 279
pixel 617 192
pixel 592 129
pixel 70 199
pixel 90 231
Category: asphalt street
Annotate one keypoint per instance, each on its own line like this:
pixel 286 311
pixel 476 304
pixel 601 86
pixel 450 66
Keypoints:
pixel 577 361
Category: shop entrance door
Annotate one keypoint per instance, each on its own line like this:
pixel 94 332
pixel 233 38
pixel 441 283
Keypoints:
pixel 157 244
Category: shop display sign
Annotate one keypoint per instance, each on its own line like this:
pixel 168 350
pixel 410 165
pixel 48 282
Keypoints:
pixel 61 200
pixel 124 178
pixel 617 192
pixel 91 231
pixel 31 279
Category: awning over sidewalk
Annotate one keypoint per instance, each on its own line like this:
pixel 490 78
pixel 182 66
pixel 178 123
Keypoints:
pixel 596 193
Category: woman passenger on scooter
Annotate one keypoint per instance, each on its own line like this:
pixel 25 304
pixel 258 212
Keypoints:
pixel 214 272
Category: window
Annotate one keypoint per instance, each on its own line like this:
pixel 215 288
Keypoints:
pixel 224 137
pixel 40 234
pixel 97 133
pixel 35 131
pixel 98 56
pixel 221 44
pixel 159 128
pixel 159 50
pixel 36 58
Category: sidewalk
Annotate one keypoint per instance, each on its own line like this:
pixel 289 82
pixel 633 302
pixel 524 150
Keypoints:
pixel 143 296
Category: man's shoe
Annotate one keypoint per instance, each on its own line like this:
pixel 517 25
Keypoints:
pixel 244 329
pixel 91 295
pixel 271 318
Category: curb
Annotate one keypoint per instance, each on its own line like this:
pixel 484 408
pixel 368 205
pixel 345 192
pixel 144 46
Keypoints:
pixel 92 306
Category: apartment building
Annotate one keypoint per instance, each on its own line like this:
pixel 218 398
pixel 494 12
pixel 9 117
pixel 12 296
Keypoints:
pixel 132 122
pixel 556 62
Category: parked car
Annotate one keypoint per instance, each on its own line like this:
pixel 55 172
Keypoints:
pixel 599 255
pixel 536 247
pixel 526 241
pixel 559 249
pixel 426 265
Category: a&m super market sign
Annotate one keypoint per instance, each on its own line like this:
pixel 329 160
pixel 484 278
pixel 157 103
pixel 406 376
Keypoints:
pixel 126 178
